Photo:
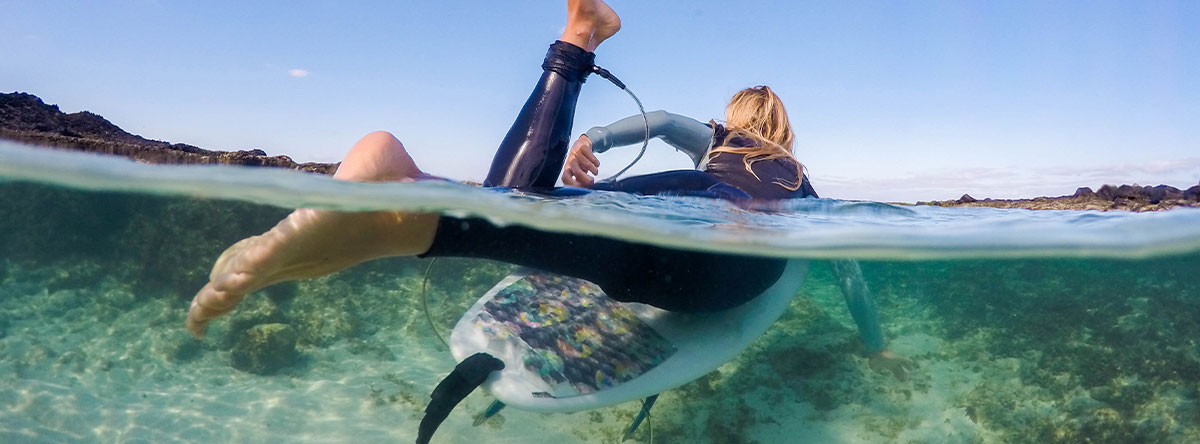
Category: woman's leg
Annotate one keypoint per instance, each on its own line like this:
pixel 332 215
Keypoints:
pixel 310 243
pixel 667 278
pixel 533 151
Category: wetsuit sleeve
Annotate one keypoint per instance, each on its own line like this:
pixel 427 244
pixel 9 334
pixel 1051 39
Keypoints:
pixel 860 302
pixel 683 133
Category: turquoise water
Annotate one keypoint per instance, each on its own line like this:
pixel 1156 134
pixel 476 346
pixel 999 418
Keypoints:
pixel 1026 326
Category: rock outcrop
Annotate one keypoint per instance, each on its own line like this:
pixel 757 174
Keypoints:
pixel 26 118
pixel 1108 197
pixel 265 349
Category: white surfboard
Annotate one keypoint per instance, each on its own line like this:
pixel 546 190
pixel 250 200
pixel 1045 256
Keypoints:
pixel 567 346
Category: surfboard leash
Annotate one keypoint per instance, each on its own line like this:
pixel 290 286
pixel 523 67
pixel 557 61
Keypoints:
pixel 425 303
pixel 646 120
pixel 643 414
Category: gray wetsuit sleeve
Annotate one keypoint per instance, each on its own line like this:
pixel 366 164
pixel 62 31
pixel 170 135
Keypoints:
pixel 860 302
pixel 683 133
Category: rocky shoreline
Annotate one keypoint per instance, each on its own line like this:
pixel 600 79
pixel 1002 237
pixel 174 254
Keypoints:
pixel 1109 197
pixel 26 118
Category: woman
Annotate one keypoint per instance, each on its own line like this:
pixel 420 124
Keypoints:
pixel 752 152
pixel 310 243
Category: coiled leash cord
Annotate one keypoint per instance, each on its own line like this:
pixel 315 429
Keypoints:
pixel 645 141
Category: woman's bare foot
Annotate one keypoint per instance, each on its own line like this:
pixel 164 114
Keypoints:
pixel 589 23
pixel 310 243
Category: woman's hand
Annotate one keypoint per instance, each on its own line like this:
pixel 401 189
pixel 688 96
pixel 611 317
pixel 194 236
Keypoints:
pixel 888 362
pixel 581 164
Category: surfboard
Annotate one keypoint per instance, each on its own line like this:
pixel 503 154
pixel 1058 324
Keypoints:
pixel 568 347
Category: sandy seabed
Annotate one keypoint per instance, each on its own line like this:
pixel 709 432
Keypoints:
pixel 89 358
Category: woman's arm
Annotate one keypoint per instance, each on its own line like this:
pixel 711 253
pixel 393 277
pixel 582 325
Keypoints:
pixel 683 133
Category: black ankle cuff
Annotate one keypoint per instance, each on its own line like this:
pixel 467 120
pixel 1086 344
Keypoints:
pixel 569 60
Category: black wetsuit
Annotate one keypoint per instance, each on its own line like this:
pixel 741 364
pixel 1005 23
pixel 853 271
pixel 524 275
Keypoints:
pixel 531 157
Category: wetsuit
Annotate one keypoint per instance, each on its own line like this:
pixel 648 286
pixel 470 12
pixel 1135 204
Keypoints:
pixel 530 158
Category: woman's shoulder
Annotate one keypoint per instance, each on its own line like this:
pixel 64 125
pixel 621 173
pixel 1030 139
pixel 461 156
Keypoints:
pixel 723 136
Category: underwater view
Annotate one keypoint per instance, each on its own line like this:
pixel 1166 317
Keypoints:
pixel 1025 326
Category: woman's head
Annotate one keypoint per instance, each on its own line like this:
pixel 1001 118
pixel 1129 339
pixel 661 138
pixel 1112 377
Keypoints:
pixel 759 112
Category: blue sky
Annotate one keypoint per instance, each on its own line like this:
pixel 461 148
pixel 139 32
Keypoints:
pixel 896 101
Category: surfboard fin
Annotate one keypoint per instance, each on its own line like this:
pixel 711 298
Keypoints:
pixel 637 420
pixel 491 411
pixel 467 375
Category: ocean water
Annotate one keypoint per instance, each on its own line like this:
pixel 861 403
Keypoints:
pixel 1027 327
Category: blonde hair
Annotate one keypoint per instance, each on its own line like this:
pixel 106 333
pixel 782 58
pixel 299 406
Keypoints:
pixel 758 114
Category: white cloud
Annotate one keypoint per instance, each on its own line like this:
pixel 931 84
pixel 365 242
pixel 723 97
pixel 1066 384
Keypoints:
pixel 298 73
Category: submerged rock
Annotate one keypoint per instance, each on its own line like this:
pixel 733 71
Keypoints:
pixel 119 298
pixel 1100 425
pixel 324 325
pixel 251 312
pixel 175 346
pixel 265 349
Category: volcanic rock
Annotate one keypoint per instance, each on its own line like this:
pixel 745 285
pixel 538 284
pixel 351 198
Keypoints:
pixel 265 349
pixel 1163 192
pixel 1108 197
pixel 1084 192
pixel 250 313
pixel 1192 193
pixel 175 346
pixel 26 118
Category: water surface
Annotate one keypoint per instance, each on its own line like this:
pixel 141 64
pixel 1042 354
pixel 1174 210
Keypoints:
pixel 1028 326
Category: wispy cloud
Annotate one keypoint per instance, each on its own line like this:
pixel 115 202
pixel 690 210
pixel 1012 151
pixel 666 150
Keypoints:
pixel 298 73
